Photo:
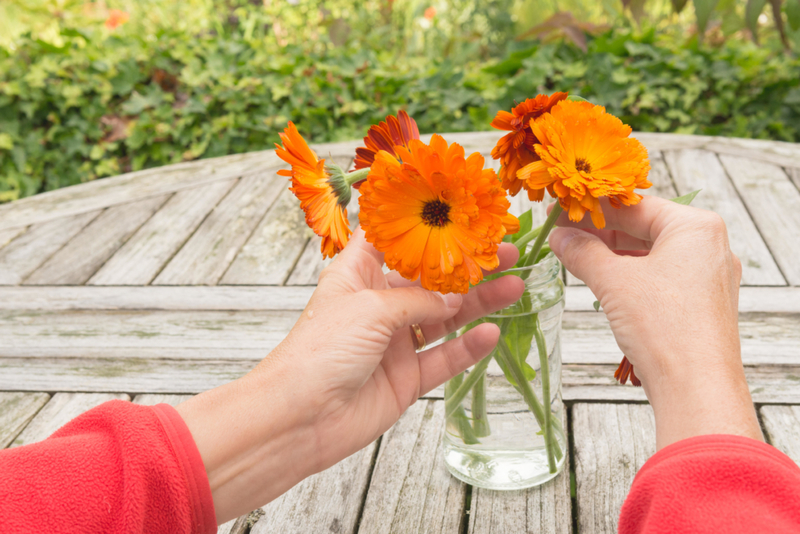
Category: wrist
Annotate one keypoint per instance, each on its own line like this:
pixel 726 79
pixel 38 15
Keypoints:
pixel 254 444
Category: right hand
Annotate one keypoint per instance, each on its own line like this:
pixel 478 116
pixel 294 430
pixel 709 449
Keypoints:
pixel 667 280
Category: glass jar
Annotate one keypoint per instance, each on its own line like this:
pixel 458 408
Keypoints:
pixel 504 414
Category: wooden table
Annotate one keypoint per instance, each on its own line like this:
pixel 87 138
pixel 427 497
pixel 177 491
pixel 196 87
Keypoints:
pixel 162 283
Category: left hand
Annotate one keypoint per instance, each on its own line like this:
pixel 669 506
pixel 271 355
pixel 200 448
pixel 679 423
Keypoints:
pixel 344 374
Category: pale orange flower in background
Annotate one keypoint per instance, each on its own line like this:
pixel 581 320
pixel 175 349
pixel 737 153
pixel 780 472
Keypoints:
pixel 324 206
pixel 586 154
pixel 435 214
pixel 116 18
pixel 430 13
pixel 515 150
pixel 395 131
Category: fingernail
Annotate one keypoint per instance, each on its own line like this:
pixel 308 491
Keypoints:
pixel 560 237
pixel 452 300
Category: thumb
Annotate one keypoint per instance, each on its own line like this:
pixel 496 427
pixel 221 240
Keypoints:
pixel 584 255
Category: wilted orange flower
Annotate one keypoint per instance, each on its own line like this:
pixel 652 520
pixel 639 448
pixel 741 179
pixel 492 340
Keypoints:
pixel 396 131
pixel 624 371
pixel 586 154
pixel 435 214
pixel 324 205
pixel 116 18
pixel 515 150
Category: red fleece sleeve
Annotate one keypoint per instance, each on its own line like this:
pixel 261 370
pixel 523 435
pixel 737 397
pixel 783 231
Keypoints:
pixel 118 468
pixel 713 484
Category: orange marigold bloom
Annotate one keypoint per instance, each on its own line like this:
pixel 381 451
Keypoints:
pixel 324 205
pixel 515 150
pixel 435 214
pixel 586 154
pixel 624 371
pixel 116 18
pixel 396 131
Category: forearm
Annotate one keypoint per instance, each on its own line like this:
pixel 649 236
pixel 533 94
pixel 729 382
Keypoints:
pixel 253 438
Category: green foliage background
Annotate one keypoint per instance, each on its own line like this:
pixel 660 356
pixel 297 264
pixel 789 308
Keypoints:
pixel 87 102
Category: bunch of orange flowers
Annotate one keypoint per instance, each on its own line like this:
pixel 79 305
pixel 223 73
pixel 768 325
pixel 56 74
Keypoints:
pixel 438 215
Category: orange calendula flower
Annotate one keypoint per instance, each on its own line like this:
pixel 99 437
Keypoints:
pixel 436 215
pixel 586 154
pixel 116 18
pixel 396 131
pixel 625 371
pixel 515 150
pixel 323 201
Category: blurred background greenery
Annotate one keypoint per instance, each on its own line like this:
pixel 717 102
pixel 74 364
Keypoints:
pixel 89 90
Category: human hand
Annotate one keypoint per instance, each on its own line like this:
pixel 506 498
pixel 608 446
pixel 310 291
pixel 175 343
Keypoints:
pixel 669 285
pixel 342 377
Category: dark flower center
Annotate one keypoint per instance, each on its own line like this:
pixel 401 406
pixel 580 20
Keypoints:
pixel 436 213
pixel 583 165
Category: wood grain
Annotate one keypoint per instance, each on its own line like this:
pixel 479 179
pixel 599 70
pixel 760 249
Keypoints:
pixel 611 443
pixel 88 251
pixel 151 399
pixel 219 298
pixel 99 194
pixel 16 410
pixel 326 502
pixel 794 175
pixel 411 490
pixel 61 409
pixel 9 234
pixel 209 252
pixel 782 427
pixel 139 260
pixel 23 255
pixel 774 204
pixel 545 509
pixel 272 250
pixel 693 169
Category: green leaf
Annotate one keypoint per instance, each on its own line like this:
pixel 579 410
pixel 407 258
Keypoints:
pixel 687 198
pixel 703 10
pixel 678 5
pixel 596 305
pixel 793 14
pixel 6 142
pixel 525 225
pixel 752 11
pixel 576 98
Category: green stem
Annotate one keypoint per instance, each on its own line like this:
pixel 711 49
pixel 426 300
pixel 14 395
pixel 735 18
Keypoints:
pixel 459 418
pixel 480 419
pixel 356 176
pixel 458 394
pixel 544 372
pixel 533 255
pixel 523 241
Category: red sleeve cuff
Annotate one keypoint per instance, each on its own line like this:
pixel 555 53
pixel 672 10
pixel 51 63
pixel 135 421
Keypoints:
pixel 193 469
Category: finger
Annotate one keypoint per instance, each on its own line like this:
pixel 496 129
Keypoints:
pixel 482 300
pixel 443 362
pixel 507 253
pixel 617 240
pixel 403 306
pixel 584 255
pixel 358 247
pixel 646 220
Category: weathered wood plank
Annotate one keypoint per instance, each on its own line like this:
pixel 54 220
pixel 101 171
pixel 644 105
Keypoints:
pixel 794 174
pixel 411 490
pixel 326 502
pixel 151 399
pixel 79 259
pixel 61 409
pixel 700 169
pixel 9 234
pixel 220 298
pixel 198 330
pixel 782 426
pixel 23 255
pixel 272 250
pixel 209 252
pixel 545 509
pixel 99 194
pixel 16 410
pixel 774 203
pixel 612 442
pixel 751 299
pixel 771 384
pixel 141 258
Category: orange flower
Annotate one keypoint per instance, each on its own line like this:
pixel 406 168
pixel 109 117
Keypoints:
pixel 515 150
pixel 624 371
pixel 323 204
pixel 435 214
pixel 396 131
pixel 430 13
pixel 586 154
pixel 116 18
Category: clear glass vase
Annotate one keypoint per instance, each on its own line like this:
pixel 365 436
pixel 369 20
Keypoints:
pixel 504 414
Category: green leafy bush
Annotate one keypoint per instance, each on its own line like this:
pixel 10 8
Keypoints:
pixel 99 107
